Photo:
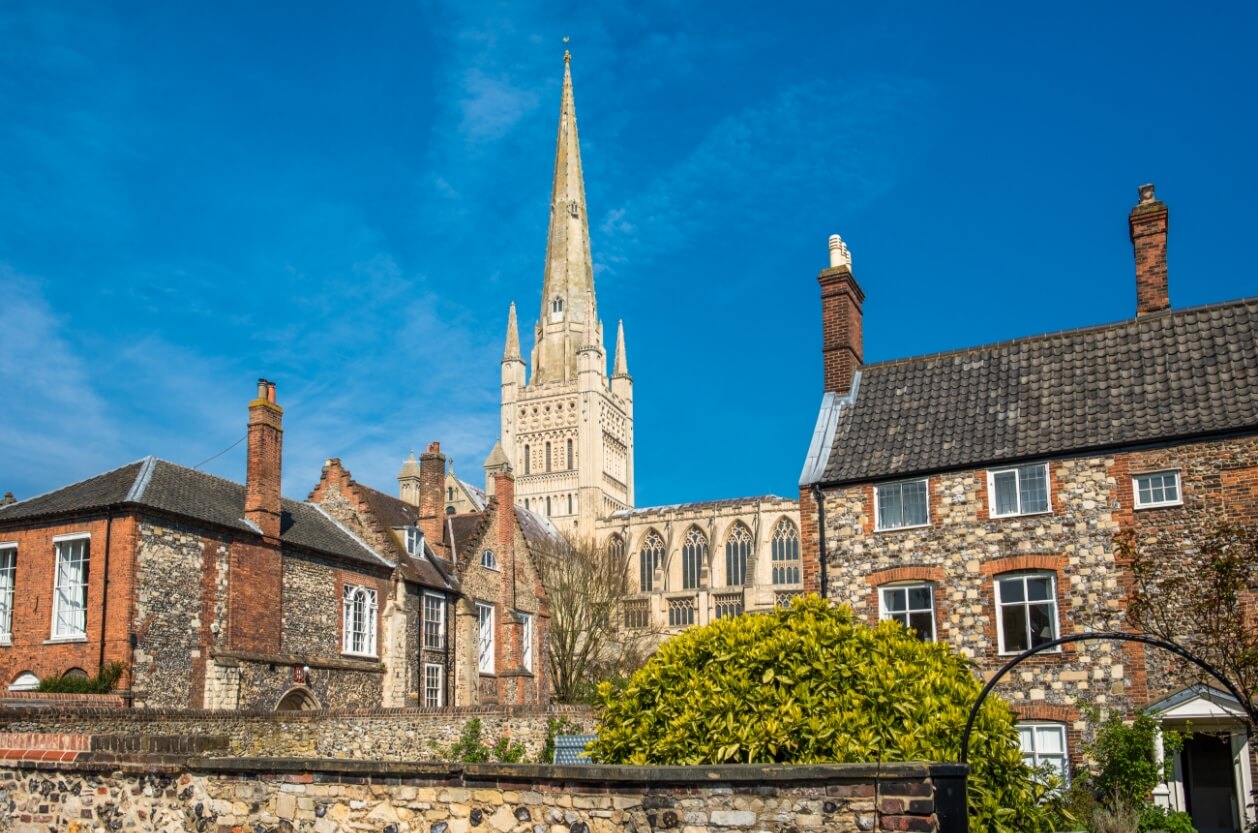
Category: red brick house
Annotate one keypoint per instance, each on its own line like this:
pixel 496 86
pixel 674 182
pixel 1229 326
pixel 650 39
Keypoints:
pixel 976 496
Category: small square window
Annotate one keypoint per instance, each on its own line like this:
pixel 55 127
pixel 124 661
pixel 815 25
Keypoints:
pixel 1018 491
pixel 1044 746
pixel 1026 611
pixel 902 504
pixel 1157 489
pixel 912 605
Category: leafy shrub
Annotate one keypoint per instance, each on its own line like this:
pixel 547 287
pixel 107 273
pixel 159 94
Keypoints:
pixel 809 684
pixel 470 748
pixel 1128 768
pixel 102 683
pixel 1155 819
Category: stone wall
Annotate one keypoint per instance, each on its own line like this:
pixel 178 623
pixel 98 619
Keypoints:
pixel 224 795
pixel 386 734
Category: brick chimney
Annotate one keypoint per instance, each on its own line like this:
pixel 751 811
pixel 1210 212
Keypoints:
pixel 262 480
pixel 841 347
pixel 1149 222
pixel 432 488
pixel 504 494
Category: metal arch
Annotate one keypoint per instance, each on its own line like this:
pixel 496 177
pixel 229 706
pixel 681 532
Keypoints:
pixel 1086 637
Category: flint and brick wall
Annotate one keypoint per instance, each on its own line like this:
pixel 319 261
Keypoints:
pixel 224 795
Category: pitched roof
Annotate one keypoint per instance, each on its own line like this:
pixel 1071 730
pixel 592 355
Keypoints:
pixel 1160 377
pixel 157 484
pixel 478 496
pixel 697 506
pixel 465 530
pixel 394 513
pixel 536 528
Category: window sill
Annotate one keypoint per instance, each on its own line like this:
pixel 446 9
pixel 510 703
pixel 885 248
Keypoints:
pixel 1056 653
pixel 1139 506
pixel 1019 515
pixel 353 655
pixel 439 648
pixel 913 526
pixel 6 641
pixel 61 640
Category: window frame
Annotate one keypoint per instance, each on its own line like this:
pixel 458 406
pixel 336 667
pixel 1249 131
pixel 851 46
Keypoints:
pixel 485 637
pixel 440 621
pixel 780 546
pixel 1035 726
pixel 738 552
pixel 440 687
pixel 1025 603
pixel 526 639
pixel 58 540
pixel 8 585
pixel 371 614
pixel 1017 470
pixel 489 560
pixel 1157 504
pixel 414 539
pixel 695 551
pixel 878 527
pixel 906 586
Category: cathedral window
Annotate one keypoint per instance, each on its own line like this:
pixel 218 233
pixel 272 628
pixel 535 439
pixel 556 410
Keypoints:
pixel 569 455
pixel 548 506
pixel 737 552
pixel 569 504
pixel 650 558
pixel 547 456
pixel 693 554
pixel 785 553
pixel 528 464
pixel 616 549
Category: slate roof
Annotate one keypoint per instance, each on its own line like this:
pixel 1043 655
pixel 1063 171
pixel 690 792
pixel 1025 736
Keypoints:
pixel 1169 376
pixel 394 513
pixel 468 528
pixel 157 484
pixel 465 531
pixel 698 506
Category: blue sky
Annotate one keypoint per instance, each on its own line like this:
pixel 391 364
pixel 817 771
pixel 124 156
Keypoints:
pixel 344 198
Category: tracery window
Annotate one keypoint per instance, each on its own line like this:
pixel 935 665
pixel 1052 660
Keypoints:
pixel 737 552
pixel 694 552
pixel 650 557
pixel 785 553
pixel 359 633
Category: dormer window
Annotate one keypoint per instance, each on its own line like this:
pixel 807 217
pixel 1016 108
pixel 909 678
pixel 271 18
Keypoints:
pixel 414 541
pixel 556 309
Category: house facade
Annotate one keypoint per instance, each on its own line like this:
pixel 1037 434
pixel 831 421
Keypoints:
pixel 978 496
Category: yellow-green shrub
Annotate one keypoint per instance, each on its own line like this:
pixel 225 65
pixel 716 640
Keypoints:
pixel 809 684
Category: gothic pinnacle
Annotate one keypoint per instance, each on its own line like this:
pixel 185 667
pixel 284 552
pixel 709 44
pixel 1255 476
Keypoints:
pixel 512 351
pixel 621 367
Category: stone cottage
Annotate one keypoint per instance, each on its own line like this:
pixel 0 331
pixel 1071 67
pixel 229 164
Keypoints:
pixel 976 496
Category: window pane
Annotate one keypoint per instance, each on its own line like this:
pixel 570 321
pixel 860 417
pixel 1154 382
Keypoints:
pixel 1005 484
pixel 1043 628
pixel 919 598
pixel 1039 588
pixel 1013 619
pixel 1049 740
pixel 1012 590
pixel 893 599
pixel 915 511
pixel 1172 488
pixel 924 624
pixel 1034 489
pixel 889 508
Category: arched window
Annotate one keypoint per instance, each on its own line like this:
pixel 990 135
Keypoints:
pixel 569 504
pixel 548 506
pixel 449 493
pixel 569 455
pixel 488 559
pixel 785 553
pixel 737 552
pixel 616 549
pixel 528 463
pixel 75 674
pixel 651 556
pixel 526 503
pixel 358 635
pixel 556 306
pixel 547 456
pixel 26 681
pixel 693 555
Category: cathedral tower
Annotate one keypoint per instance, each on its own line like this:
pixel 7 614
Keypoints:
pixel 568 429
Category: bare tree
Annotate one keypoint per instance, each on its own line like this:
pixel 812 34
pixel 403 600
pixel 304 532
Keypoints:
pixel 1203 597
pixel 586 586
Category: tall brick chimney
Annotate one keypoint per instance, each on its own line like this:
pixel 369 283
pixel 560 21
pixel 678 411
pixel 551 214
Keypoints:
pixel 842 350
pixel 1149 222
pixel 432 488
pixel 262 480
pixel 504 493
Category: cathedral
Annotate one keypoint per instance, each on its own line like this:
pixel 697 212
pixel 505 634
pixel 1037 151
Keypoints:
pixel 567 436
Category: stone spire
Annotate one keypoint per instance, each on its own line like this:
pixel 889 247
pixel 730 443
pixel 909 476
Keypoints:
pixel 512 350
pixel 621 367
pixel 568 281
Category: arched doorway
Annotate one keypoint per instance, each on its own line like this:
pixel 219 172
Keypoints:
pixel 299 699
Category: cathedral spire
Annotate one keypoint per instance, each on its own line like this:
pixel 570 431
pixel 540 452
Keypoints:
pixel 621 367
pixel 512 350
pixel 568 281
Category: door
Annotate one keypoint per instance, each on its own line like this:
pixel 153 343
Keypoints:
pixel 1210 783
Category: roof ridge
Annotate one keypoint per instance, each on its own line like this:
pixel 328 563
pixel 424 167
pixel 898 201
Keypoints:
pixel 142 479
pixel 71 485
pixel 1126 322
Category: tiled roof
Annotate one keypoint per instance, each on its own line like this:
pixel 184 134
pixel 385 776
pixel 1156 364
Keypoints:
pixel 395 513
pixel 465 530
pixel 723 503
pixel 188 493
pixel 1160 377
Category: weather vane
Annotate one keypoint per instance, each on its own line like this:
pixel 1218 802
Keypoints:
pixel 567 56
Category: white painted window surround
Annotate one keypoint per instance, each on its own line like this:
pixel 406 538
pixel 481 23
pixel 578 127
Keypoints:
pixel 1019 490
pixel 358 636
pixel 1159 488
pixel 69 606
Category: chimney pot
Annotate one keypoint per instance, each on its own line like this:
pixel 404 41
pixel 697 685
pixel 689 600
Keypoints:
pixel 842 349
pixel 1146 193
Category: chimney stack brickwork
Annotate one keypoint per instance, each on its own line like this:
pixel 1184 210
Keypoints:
pixel 432 487
pixel 842 349
pixel 263 474
pixel 1149 224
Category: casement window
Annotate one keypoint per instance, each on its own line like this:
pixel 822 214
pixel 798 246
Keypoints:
pixel 650 558
pixel 1044 745
pixel 485 637
pixel 434 688
pixel 1026 611
pixel 8 571
pixel 414 541
pixel 434 622
pixel 1022 490
pixel 912 605
pixel 1159 488
pixel 693 554
pixel 69 605
pixel 902 504
pixel 737 553
pixel 526 640
pixel 26 681
pixel 488 559
pixel 358 636
pixel 785 553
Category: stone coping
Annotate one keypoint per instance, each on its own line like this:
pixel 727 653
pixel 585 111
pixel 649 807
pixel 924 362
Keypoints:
pixel 295 768
pixel 71 710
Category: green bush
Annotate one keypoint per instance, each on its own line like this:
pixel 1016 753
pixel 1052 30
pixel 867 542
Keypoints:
pixel 1155 819
pixel 102 683
pixel 809 684
pixel 470 748
pixel 1127 766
